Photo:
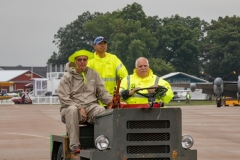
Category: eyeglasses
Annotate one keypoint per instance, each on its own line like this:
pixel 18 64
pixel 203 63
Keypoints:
pixel 99 39
pixel 82 59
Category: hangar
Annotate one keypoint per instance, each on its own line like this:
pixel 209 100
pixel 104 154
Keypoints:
pixel 180 77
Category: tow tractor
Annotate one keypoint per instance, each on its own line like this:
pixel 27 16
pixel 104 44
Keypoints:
pixel 130 132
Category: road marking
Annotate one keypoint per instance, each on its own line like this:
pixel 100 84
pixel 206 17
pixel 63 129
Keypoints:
pixel 233 151
pixel 30 135
pixel 20 107
pixel 233 115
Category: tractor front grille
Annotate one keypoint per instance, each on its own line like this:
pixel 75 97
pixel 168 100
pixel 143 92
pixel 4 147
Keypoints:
pixel 148 149
pixel 151 124
pixel 148 136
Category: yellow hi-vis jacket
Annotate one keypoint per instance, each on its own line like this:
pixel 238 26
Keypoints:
pixel 110 68
pixel 133 81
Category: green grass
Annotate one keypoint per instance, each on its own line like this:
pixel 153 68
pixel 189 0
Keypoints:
pixel 192 103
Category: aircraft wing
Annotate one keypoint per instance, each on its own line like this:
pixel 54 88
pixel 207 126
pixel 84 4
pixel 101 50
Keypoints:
pixel 6 83
pixel 198 85
pixel 230 88
pixel 207 88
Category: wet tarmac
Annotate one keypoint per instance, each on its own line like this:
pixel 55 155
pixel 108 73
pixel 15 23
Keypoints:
pixel 25 131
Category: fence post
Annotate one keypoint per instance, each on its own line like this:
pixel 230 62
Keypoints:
pixel 51 100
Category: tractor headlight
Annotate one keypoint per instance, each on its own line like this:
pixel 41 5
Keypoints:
pixel 187 141
pixel 102 142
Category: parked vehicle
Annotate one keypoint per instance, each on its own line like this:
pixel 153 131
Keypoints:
pixel 22 99
pixel 228 101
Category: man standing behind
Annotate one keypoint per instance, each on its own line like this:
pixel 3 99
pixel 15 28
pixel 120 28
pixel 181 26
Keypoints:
pixel 143 77
pixel 109 66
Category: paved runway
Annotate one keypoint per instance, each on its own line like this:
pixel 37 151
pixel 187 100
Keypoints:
pixel 25 131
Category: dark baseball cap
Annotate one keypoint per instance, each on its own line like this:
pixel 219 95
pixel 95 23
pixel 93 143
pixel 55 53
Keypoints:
pixel 99 39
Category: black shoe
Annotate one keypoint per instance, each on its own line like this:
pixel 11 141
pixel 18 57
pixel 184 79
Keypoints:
pixel 75 149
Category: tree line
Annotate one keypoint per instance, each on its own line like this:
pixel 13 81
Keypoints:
pixel 172 44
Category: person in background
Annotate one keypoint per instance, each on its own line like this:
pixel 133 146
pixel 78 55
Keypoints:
pixel 108 65
pixel 210 98
pixel 143 77
pixel 188 97
pixel 78 92
pixel 223 100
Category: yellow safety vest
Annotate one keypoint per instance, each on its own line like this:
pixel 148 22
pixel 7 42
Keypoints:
pixel 110 68
pixel 133 81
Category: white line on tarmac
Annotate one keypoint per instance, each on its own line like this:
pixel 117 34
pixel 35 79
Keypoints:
pixel 234 151
pixel 31 135
pixel 233 115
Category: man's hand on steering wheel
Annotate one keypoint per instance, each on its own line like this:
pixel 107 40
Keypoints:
pixel 152 90
pixel 131 92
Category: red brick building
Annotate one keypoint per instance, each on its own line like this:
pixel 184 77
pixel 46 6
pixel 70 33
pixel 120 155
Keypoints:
pixel 22 80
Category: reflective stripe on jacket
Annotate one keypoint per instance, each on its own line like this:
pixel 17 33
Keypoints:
pixel 133 81
pixel 188 96
pixel 110 68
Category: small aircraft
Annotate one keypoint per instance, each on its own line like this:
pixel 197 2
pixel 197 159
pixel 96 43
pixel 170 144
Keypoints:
pixel 218 87
pixel 2 97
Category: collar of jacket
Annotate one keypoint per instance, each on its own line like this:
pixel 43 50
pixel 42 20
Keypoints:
pixel 96 56
pixel 73 71
pixel 150 75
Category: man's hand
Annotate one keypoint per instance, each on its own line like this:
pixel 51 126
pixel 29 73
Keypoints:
pixel 152 90
pixel 131 92
pixel 84 114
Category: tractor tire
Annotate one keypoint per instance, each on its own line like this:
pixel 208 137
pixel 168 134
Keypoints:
pixel 218 103
pixel 60 153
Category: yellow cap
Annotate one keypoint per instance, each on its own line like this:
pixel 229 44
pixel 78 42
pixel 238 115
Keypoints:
pixel 80 53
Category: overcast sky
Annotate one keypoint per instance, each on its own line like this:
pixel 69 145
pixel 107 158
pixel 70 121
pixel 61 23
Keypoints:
pixel 27 27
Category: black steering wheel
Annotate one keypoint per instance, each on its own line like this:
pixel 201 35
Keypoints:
pixel 160 90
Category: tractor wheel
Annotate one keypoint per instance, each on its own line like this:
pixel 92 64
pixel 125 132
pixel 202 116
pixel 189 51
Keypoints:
pixel 218 103
pixel 60 153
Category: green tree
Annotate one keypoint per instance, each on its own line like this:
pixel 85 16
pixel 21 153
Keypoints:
pixel 223 48
pixel 127 33
pixel 160 67
pixel 131 34
pixel 72 38
pixel 180 43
